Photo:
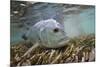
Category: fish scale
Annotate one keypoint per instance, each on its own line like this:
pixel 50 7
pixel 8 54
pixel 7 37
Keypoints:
pixel 65 15
pixel 44 30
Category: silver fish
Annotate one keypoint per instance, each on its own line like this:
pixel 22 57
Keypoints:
pixel 49 32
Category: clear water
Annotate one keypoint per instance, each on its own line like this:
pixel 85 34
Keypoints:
pixel 88 20
pixel 77 22
pixel 82 23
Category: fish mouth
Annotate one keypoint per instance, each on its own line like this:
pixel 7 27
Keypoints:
pixel 63 41
pixel 60 43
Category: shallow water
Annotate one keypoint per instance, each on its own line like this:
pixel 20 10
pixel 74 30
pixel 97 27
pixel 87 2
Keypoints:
pixel 82 23
pixel 77 21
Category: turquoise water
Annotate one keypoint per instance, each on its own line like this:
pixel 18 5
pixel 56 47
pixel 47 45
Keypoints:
pixel 88 20
pixel 82 23
pixel 16 33
pixel 76 21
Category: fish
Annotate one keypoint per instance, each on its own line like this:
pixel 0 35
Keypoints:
pixel 49 33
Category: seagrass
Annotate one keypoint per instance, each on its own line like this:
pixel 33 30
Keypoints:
pixel 78 49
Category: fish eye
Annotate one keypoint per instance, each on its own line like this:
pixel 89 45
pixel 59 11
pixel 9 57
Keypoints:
pixel 55 30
